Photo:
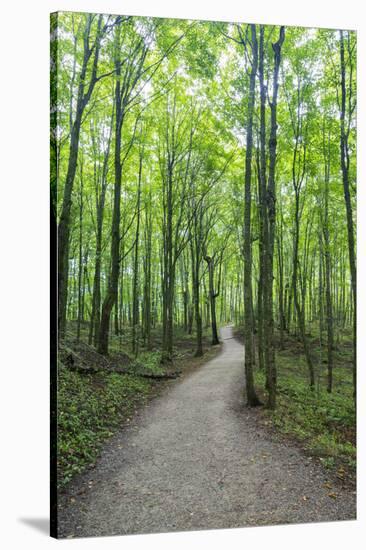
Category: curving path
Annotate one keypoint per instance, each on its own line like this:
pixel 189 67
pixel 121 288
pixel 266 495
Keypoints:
pixel 195 458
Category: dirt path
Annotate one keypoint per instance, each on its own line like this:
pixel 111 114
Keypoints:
pixel 195 458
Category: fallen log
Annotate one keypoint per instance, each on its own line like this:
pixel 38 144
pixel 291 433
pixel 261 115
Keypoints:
pixel 166 376
pixel 87 369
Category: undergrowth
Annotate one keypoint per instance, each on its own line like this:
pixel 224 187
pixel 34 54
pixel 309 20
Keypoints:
pixel 90 409
pixel 324 423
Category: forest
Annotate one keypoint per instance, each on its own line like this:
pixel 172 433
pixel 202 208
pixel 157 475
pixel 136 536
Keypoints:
pixel 203 175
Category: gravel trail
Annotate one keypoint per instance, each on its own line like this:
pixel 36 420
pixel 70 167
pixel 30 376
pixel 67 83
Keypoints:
pixel 196 458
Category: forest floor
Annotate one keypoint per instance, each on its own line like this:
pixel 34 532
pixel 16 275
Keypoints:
pixel 323 424
pixel 94 400
pixel 196 458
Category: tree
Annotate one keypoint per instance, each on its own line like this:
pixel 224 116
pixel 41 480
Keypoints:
pixel 347 107
pixel 89 63
pixel 124 88
pixel 204 174
pixel 252 398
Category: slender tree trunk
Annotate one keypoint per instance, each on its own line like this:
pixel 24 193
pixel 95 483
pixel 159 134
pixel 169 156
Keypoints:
pixel 330 338
pixel 264 229
pixel 281 290
pixel 80 271
pixel 196 296
pixel 147 285
pixel 168 275
pixel 212 295
pixel 135 291
pixel 344 150
pixel 328 268
pixel 260 290
pixel 321 292
pixel 252 399
pixel 112 290
pixel 299 309
pixel 82 100
pixel 271 205
pixel 95 317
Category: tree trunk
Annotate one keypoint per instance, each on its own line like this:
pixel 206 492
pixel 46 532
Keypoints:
pixel 271 206
pixel 196 298
pixel 147 264
pixel 64 223
pixel 344 150
pixel 252 399
pixel 80 270
pixel 212 295
pixel 135 291
pixel 112 290
pixel 299 310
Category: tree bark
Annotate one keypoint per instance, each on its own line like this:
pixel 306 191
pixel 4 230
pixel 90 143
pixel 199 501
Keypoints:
pixel 135 290
pixel 80 269
pixel 271 206
pixel 123 97
pixel 83 97
pixel 212 295
pixel 112 290
pixel 344 150
pixel 252 399
pixel 147 267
